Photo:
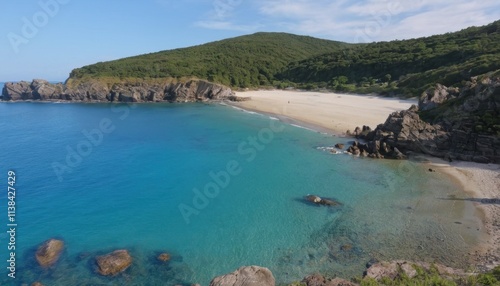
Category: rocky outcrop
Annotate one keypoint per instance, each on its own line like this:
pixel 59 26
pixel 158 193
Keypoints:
pixel 246 276
pixel 450 123
pixel 98 91
pixel 394 269
pixel 48 252
pixel 113 263
pixel 436 96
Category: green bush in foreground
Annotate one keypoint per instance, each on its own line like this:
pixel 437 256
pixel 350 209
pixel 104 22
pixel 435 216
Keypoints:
pixel 431 278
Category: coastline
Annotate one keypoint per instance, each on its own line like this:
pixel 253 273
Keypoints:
pixel 481 182
pixel 332 112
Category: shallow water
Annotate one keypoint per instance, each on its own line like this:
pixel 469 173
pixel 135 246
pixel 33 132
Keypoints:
pixel 128 187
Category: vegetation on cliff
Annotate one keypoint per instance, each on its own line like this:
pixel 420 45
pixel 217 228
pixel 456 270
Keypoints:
pixel 246 61
pixel 281 60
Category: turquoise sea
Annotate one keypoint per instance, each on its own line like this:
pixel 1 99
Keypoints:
pixel 217 188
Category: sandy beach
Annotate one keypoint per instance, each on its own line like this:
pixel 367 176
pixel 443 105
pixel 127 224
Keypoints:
pixel 481 184
pixel 333 112
pixel 338 113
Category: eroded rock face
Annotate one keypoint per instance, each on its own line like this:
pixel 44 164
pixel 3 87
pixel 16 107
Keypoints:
pixel 436 96
pixel 96 91
pixel 246 276
pixel 113 263
pixel 49 252
pixel 460 123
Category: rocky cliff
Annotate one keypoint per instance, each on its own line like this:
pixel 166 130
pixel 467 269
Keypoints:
pixel 451 123
pixel 98 91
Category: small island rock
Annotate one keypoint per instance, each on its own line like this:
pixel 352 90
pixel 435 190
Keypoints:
pixel 48 252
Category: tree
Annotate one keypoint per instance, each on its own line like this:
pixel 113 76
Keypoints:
pixel 387 78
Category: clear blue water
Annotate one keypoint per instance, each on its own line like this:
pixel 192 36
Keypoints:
pixel 127 188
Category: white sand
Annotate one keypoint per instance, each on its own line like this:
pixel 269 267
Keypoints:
pixel 341 112
pixel 334 112
pixel 482 183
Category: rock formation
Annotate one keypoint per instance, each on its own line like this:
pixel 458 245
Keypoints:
pixel 321 201
pixel 113 263
pixel 319 280
pixel 450 123
pixel 99 91
pixel 48 252
pixel 164 257
pixel 246 276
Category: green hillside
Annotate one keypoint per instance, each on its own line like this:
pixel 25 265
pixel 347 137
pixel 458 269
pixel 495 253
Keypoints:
pixel 278 59
pixel 412 65
pixel 246 61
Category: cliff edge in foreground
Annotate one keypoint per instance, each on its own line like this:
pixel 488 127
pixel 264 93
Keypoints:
pixel 99 91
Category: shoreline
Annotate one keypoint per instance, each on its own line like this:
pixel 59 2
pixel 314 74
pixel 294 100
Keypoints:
pixel 479 181
pixel 333 112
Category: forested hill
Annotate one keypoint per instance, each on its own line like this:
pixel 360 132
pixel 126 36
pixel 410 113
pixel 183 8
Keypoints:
pixel 278 59
pixel 246 61
pixel 411 65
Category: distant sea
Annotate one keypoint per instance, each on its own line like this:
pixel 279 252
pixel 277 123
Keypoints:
pixel 103 177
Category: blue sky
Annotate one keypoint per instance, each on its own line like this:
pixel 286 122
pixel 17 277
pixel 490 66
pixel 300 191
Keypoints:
pixel 48 38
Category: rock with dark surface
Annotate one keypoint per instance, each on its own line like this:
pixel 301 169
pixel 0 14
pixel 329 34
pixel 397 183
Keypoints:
pixel 17 91
pixel 94 90
pixel 452 131
pixel 313 199
pixel 49 252
pixel 321 201
pixel 339 146
pixel 113 263
pixel 246 276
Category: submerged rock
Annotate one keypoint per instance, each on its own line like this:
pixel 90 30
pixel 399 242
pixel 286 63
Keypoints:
pixel 321 201
pixel 246 276
pixel 48 252
pixel 164 257
pixel 113 263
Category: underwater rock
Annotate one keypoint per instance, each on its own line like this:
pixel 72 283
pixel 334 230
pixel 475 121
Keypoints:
pixel 113 263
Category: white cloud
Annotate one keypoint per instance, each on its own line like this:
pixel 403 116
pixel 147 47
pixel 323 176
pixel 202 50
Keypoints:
pixel 361 20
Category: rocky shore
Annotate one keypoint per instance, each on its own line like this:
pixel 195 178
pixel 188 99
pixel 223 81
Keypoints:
pixel 119 262
pixel 100 91
pixel 450 123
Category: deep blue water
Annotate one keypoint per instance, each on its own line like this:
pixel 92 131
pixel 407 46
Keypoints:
pixel 126 188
